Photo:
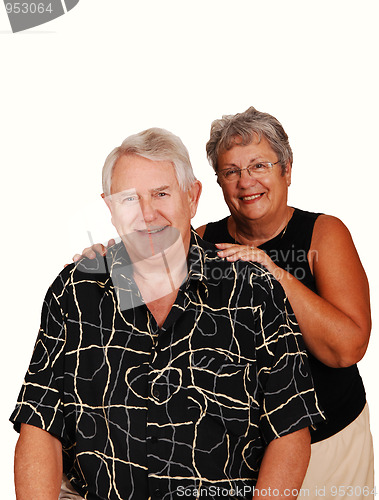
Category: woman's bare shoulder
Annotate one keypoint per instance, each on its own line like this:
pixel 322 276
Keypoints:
pixel 328 228
pixel 201 230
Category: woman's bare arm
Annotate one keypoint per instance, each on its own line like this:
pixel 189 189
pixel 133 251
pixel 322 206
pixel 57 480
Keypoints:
pixel 336 322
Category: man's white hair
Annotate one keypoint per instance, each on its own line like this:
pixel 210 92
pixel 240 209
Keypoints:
pixel 155 144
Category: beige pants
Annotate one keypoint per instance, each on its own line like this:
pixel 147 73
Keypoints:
pixel 342 466
pixel 67 491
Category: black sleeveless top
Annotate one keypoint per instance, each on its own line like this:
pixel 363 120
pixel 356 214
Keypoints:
pixel 340 390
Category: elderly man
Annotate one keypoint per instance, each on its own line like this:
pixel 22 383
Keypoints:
pixel 162 370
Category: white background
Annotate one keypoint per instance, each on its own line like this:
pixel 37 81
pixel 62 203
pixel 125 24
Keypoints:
pixel 74 88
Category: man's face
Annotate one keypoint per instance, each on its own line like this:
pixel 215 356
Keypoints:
pixel 149 209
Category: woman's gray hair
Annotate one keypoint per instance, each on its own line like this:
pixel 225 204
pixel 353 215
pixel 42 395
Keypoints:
pixel 245 126
pixel 155 144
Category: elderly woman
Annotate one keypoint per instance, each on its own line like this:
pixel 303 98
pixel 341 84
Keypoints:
pixel 314 258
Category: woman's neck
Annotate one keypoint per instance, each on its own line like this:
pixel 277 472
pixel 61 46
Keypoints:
pixel 257 232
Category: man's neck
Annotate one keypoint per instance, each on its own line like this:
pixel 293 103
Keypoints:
pixel 160 277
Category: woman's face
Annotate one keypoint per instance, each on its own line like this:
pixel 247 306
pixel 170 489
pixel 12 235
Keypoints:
pixel 249 198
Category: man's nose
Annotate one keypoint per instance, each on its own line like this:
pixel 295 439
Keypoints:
pixel 148 210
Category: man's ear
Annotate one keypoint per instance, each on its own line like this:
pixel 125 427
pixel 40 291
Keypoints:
pixel 108 203
pixel 194 193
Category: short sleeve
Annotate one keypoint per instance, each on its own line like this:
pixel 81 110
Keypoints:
pixel 40 402
pixel 289 401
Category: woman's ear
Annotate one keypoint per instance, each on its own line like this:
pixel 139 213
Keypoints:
pixel 288 173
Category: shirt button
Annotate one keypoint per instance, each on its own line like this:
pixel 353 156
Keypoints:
pixel 157 493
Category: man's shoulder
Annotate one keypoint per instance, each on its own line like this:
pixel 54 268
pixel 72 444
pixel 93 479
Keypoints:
pixel 85 271
pixel 215 268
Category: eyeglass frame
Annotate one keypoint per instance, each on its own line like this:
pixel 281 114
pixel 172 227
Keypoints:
pixel 240 170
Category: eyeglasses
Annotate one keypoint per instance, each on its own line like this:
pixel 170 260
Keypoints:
pixel 256 170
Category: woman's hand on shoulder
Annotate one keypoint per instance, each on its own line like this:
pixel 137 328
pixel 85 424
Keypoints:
pixel 233 252
pixel 90 252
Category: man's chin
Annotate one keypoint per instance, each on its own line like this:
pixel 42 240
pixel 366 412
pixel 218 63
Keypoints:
pixel 147 244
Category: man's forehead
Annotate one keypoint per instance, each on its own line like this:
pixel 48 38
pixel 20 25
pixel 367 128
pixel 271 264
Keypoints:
pixel 139 173
pixel 131 159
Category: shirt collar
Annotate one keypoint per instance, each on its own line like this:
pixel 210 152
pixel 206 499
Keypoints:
pixel 196 259
pixel 118 259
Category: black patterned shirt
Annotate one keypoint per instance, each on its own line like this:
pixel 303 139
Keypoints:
pixel 185 410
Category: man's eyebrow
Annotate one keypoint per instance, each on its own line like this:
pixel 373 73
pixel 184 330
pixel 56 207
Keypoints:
pixel 160 188
pixel 129 191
